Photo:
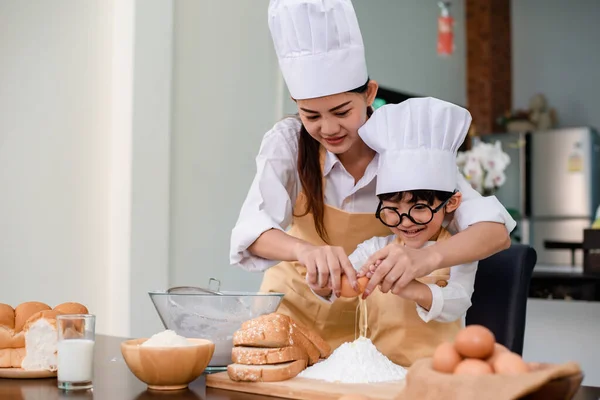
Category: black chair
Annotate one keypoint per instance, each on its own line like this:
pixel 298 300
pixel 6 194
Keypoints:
pixel 500 298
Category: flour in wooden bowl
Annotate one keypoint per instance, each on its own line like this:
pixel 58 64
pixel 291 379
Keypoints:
pixel 355 362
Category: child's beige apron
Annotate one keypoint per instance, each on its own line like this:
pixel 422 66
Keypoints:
pixel 394 325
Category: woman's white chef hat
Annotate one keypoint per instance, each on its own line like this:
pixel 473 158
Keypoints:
pixel 319 46
pixel 417 141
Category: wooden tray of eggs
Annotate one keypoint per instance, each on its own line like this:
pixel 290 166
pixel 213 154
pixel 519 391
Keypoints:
pixel 475 367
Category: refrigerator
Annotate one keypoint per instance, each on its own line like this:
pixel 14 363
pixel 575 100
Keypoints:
pixel 553 187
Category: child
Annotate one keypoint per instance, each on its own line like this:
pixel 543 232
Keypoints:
pixel 416 182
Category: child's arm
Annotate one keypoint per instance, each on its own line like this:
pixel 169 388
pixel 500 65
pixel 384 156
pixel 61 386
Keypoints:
pixel 448 303
pixel 443 304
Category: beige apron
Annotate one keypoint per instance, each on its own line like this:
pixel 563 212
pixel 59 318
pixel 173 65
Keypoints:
pixel 394 325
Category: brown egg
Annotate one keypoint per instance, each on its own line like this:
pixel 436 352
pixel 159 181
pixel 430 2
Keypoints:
pixel 475 341
pixel 510 364
pixel 473 366
pixel 498 349
pixel 354 397
pixel 445 358
pixel 346 289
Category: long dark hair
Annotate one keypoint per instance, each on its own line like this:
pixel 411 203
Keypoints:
pixel 311 175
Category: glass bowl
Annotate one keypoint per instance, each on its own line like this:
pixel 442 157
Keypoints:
pixel 215 317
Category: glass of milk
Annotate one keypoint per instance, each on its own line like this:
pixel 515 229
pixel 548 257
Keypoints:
pixel 76 338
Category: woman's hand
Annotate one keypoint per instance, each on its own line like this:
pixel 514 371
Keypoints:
pixel 325 266
pixel 395 266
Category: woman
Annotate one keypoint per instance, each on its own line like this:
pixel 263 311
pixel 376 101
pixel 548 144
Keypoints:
pixel 316 174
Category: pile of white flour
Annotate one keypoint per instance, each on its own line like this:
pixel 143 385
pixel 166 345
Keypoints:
pixel 167 338
pixel 355 362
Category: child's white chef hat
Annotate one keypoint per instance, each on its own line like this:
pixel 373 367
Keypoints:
pixel 417 141
pixel 319 46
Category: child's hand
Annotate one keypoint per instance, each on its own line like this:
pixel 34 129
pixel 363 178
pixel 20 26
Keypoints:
pixel 399 265
pixel 368 270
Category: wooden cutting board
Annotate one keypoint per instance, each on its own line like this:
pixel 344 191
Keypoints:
pixel 307 389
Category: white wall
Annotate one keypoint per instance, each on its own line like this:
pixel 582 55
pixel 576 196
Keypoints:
pixel 555 51
pixel 150 161
pixel 84 156
pixel 54 152
pixel 400 40
pixel 225 91
pixel 401 44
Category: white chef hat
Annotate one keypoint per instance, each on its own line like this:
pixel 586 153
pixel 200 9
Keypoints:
pixel 319 46
pixel 417 141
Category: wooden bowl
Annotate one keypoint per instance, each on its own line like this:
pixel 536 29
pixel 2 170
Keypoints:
pixel 167 368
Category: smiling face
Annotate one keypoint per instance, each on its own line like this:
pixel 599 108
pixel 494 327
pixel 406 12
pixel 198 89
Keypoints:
pixel 334 120
pixel 420 205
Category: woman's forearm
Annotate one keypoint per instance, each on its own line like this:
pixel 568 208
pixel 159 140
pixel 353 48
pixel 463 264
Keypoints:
pixel 277 245
pixel 475 243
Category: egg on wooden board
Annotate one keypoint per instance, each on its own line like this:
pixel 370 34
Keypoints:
pixel 445 358
pixel 473 366
pixel 475 341
pixel 510 364
pixel 346 289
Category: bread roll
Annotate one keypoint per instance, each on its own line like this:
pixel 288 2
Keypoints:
pixel 41 341
pixel 28 334
pixel 11 358
pixel 49 315
pixel 11 340
pixel 5 358
pixel 7 334
pixel 26 310
pixel 71 308
pixel 7 316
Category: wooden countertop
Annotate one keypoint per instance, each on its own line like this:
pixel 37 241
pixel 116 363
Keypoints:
pixel 114 381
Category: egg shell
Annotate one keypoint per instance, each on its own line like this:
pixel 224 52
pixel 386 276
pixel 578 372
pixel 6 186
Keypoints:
pixel 445 358
pixel 473 366
pixel 510 364
pixel 475 341
pixel 346 289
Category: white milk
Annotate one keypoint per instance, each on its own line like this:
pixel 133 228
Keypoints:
pixel 75 360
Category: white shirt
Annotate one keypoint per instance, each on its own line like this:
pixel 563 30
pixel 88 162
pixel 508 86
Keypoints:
pixel 276 185
pixel 448 303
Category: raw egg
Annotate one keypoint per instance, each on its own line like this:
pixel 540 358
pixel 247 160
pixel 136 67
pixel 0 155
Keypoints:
pixel 473 366
pixel 347 290
pixel 445 358
pixel 475 341
pixel 510 364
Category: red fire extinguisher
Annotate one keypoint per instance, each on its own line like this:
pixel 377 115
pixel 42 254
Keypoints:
pixel 445 45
